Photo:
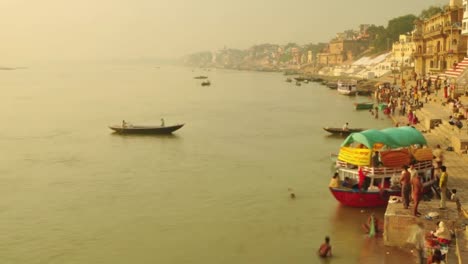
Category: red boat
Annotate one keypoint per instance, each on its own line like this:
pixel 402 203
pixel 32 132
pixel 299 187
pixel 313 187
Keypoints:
pixel 397 147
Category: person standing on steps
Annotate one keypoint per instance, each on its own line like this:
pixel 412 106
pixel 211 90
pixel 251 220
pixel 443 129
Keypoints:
pixel 443 186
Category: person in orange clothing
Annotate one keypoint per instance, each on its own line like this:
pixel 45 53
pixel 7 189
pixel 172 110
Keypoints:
pixel 417 187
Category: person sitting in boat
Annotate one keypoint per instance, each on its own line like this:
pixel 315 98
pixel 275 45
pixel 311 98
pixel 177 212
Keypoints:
pixel 349 183
pixel 395 182
pixel 162 122
pixel 345 126
pixel 335 181
pixel 376 162
pixel 325 249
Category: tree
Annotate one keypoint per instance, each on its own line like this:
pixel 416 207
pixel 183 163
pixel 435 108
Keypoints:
pixel 430 11
pixel 378 37
pixel 400 25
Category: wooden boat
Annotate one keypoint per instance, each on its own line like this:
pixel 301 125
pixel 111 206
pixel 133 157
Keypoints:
pixel 383 181
pixel 200 77
pixel 363 106
pixel 298 83
pixel 288 80
pixel 347 87
pixel 206 83
pixel 340 131
pixel 332 85
pixel 131 129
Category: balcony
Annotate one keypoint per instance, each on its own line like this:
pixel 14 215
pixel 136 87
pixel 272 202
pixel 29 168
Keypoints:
pixel 433 33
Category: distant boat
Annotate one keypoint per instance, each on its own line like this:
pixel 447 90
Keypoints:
pixel 131 129
pixel 347 87
pixel 298 83
pixel 363 106
pixel 306 81
pixel 206 83
pixel 340 131
pixel 201 77
pixel 332 85
pixel 288 80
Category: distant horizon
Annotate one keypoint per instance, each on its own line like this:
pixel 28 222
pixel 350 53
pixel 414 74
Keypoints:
pixel 52 30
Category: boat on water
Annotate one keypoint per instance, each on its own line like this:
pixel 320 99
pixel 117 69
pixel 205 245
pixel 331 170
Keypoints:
pixel 341 131
pixel 200 77
pixel 332 85
pixel 288 80
pixel 136 129
pixel 206 83
pixel 363 106
pixel 397 147
pixel 347 87
pixel 298 83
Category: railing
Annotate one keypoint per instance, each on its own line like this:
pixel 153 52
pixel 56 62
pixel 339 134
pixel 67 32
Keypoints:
pixel 380 172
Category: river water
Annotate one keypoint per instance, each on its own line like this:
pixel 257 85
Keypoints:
pixel 214 192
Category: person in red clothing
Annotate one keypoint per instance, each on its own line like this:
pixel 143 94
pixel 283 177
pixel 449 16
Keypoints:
pixel 362 178
pixel 325 249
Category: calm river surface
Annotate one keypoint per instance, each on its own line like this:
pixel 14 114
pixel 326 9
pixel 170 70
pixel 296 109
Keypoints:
pixel 214 192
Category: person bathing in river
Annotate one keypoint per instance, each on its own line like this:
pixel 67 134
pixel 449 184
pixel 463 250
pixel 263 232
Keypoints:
pixel 325 249
pixel 372 226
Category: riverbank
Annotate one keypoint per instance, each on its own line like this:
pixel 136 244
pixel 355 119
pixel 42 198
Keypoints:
pixel 457 163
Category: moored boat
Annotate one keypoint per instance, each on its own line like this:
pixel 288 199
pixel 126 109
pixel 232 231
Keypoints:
pixel 200 77
pixel 132 129
pixel 332 85
pixel 298 83
pixel 397 147
pixel 363 106
pixel 206 83
pixel 340 131
pixel 288 80
pixel 347 87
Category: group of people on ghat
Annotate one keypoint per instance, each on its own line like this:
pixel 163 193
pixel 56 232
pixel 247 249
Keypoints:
pixel 412 188
pixel 432 246
pixel 413 97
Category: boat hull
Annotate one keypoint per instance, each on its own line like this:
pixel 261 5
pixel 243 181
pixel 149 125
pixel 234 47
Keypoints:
pixel 356 198
pixel 346 92
pixel 339 131
pixel 146 129
pixel 364 106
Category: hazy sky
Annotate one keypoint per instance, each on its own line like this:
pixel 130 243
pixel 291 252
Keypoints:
pixel 101 29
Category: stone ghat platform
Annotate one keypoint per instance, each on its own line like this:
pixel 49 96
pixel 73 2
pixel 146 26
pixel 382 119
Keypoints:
pixel 399 223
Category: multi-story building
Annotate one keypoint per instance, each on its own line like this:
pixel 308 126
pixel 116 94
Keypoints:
pixel 402 51
pixel 344 47
pixel 339 51
pixel 439 44
pixel 465 18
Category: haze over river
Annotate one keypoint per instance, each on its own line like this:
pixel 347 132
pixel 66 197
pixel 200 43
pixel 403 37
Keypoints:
pixel 214 192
